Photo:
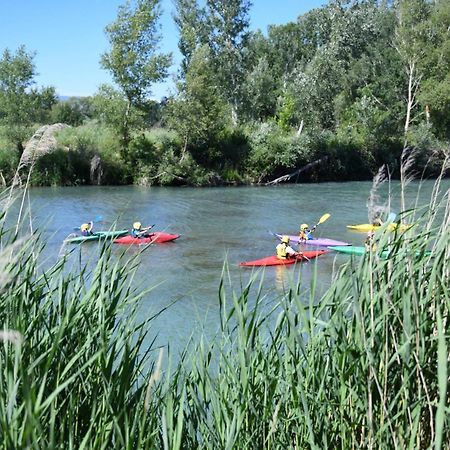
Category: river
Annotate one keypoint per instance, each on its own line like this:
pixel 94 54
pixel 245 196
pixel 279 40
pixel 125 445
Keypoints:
pixel 216 225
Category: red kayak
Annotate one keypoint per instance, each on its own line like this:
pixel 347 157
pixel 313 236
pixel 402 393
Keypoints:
pixel 274 261
pixel 152 238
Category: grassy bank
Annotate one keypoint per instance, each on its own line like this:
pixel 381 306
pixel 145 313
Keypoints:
pixel 364 366
pixel 252 154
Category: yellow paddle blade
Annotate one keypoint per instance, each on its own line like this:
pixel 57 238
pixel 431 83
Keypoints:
pixel 324 218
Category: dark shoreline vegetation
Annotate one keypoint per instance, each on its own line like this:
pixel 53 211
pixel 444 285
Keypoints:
pixel 363 366
pixel 345 89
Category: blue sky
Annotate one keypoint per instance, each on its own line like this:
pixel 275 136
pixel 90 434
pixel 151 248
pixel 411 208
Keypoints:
pixel 68 36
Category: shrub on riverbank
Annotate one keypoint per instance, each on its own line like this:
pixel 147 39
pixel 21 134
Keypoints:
pixel 9 159
pixel 92 154
pixel 366 365
pixel 87 154
pixel 339 157
pixel 255 153
pixel 273 152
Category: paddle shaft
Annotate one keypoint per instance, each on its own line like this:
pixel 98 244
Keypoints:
pixel 97 219
pixel 145 230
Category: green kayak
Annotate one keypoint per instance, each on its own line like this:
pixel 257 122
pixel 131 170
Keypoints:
pixel 359 251
pixel 97 236
pixel 349 250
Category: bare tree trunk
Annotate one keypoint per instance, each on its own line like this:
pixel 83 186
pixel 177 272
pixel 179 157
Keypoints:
pixel 413 87
pixel 297 172
pixel 96 170
pixel 184 149
pixel 234 115
pixel 300 128
pixel 126 127
pixel 410 98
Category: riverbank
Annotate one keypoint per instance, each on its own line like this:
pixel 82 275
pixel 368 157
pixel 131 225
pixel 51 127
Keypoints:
pixel 92 155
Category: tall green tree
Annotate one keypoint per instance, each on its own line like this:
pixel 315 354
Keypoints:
pixel 229 22
pixel 191 23
pixel 199 114
pixel 43 100
pixel 294 44
pixel 134 60
pixel 315 88
pixel 109 106
pixel 435 92
pixel 373 79
pixel 73 111
pixel 21 103
pixel 260 91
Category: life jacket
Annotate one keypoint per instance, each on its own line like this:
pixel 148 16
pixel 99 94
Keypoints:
pixel 86 229
pixel 304 235
pixel 135 233
pixel 281 251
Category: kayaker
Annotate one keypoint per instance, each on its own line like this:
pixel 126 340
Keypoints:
pixel 305 234
pixel 284 250
pixel 87 229
pixel 377 222
pixel 138 231
pixel 369 242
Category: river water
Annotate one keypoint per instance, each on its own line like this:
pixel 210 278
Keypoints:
pixel 216 225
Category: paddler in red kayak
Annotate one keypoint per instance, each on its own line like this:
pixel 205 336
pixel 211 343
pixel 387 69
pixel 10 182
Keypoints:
pixel 284 250
pixel 138 231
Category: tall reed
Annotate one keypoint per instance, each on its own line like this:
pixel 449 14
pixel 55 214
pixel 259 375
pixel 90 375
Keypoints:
pixel 74 376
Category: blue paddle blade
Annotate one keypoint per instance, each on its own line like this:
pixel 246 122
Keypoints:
pixel 391 217
pixel 273 234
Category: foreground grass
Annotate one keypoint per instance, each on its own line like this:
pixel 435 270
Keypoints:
pixel 364 366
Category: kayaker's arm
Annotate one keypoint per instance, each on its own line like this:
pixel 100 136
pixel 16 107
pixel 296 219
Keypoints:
pixel 145 230
pixel 291 252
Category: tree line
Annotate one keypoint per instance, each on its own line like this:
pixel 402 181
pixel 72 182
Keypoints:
pixel 344 89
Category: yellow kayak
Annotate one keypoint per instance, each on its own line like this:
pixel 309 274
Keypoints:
pixel 365 227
